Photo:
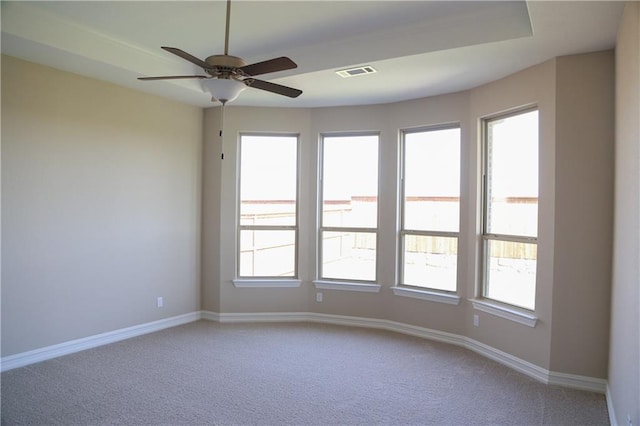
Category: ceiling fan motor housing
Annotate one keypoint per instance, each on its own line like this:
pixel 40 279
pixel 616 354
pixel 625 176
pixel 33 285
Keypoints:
pixel 225 65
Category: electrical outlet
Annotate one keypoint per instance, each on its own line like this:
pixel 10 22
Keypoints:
pixel 476 320
pixel 160 302
pixel 318 297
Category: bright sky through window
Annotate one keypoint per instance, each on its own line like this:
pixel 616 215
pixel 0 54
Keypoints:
pixel 272 166
pixel 428 174
pixel 345 156
pixel 515 156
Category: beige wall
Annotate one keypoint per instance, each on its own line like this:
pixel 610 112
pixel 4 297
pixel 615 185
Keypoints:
pixel 237 120
pixel 211 184
pixel 533 86
pixel 564 276
pixel 624 355
pixel 583 214
pixel 100 207
pixel 104 206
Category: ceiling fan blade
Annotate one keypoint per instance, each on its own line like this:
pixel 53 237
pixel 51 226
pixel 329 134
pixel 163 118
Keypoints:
pixel 272 87
pixel 187 56
pixel 172 77
pixel 272 65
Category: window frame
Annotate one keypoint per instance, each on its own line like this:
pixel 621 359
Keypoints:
pixel 328 282
pixel 403 232
pixel 272 279
pixel 486 237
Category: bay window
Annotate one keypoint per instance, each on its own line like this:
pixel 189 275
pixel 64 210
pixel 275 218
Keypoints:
pixel 430 207
pixel 349 207
pixel 268 206
pixel 510 219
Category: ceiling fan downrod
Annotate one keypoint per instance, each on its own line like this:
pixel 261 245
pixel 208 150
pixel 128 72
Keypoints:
pixel 226 31
pixel 225 76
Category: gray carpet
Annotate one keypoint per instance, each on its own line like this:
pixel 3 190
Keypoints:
pixel 298 374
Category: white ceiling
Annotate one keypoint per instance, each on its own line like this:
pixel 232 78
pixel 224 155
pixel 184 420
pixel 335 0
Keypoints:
pixel 419 48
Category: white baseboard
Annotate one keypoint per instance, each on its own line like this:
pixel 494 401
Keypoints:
pixel 380 324
pixel 538 373
pixel 210 316
pixel 590 384
pixel 504 358
pixel 259 317
pixel 398 327
pixel 525 367
pixel 612 414
pixel 54 351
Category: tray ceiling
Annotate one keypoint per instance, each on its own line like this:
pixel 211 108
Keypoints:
pixel 418 48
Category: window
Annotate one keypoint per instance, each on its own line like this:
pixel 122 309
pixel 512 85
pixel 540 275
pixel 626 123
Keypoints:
pixel 430 208
pixel 349 203
pixel 268 233
pixel 510 222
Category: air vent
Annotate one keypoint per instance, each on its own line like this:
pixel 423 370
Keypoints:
pixel 353 72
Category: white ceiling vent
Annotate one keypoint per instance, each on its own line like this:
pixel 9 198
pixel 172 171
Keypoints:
pixel 353 72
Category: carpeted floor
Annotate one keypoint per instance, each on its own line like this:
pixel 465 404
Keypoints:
pixel 297 374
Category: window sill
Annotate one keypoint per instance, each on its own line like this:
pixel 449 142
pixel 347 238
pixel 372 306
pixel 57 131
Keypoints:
pixel 266 283
pixel 346 286
pixel 512 314
pixel 432 296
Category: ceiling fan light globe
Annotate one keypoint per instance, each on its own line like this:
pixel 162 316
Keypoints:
pixel 223 89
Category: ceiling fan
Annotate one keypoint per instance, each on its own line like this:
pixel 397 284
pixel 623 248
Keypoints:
pixel 228 75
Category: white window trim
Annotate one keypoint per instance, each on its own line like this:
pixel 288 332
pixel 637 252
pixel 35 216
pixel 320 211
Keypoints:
pixel 347 286
pixel 506 312
pixel 487 305
pixel 430 295
pixel 266 283
pixel 329 283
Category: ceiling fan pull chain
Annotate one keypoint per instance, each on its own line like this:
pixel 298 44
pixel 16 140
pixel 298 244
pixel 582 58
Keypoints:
pixel 222 120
